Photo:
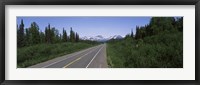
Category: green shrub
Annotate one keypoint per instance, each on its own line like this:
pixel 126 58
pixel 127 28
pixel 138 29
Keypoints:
pixel 159 51
pixel 27 56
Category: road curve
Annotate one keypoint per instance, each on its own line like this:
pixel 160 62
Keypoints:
pixel 93 57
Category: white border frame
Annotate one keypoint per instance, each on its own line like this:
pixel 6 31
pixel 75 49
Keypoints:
pixel 185 73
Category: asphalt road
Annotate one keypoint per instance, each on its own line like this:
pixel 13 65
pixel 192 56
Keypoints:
pixel 94 57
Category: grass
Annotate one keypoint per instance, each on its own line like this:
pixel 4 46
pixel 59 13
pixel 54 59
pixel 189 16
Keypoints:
pixel 159 51
pixel 32 55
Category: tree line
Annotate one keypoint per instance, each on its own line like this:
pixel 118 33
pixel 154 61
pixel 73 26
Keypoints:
pixel 33 35
pixel 159 44
pixel 158 25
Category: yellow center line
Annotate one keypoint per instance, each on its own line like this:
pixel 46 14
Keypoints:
pixel 76 60
pixel 72 62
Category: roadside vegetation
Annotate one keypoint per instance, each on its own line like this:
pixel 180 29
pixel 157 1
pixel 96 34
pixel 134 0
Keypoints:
pixel 35 46
pixel 31 55
pixel 156 45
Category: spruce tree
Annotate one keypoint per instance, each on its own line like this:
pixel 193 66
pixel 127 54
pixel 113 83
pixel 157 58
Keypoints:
pixel 64 39
pixel 34 33
pixel 131 33
pixel 72 35
pixel 77 37
pixel 20 33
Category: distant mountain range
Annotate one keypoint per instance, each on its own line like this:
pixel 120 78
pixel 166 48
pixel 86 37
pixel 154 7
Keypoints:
pixel 100 38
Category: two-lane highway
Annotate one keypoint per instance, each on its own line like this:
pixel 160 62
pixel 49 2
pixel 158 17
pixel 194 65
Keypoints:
pixel 94 57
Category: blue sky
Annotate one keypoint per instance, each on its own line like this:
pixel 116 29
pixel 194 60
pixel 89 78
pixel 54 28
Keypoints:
pixel 89 26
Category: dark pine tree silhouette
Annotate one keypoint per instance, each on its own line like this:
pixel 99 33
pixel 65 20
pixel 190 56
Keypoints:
pixel 20 35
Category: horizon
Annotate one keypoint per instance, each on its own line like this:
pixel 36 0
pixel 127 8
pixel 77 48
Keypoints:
pixel 89 26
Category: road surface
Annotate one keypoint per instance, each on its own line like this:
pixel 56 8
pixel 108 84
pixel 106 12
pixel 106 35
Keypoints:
pixel 93 57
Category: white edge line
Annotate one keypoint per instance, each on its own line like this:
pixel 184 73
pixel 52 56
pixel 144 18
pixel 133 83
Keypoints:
pixel 65 58
pixel 82 56
pixel 94 57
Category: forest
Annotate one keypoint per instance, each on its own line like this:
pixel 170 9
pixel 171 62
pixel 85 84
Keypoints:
pixel 33 36
pixel 158 44
pixel 35 46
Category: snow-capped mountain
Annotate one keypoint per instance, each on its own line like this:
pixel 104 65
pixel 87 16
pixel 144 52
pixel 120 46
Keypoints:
pixel 100 38
pixel 115 37
pixel 95 38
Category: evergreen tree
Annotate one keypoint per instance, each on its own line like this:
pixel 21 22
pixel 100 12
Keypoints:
pixel 158 25
pixel 77 37
pixel 148 30
pixel 64 39
pixel 57 36
pixel 132 33
pixel 52 35
pixel 72 35
pixel 42 37
pixel 27 37
pixel 179 24
pixel 20 33
pixel 34 34
pixel 48 34
pixel 137 33
pixel 60 37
